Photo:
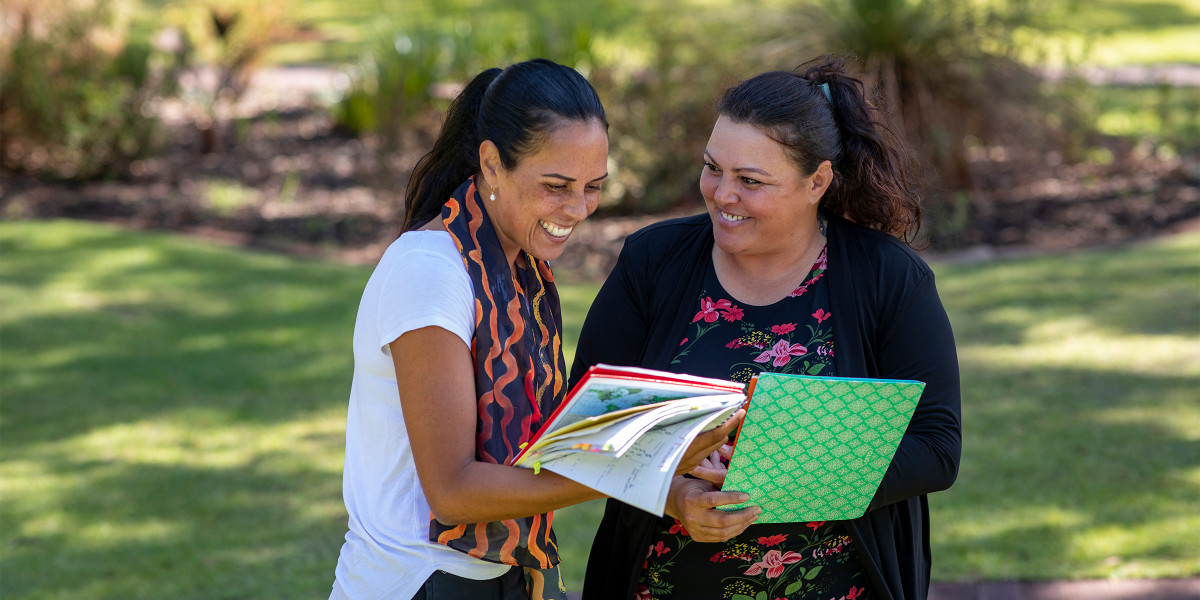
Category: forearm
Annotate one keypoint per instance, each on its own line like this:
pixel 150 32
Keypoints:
pixel 921 347
pixel 481 492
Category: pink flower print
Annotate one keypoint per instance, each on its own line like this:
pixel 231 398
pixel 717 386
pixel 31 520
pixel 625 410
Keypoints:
pixel 773 561
pixel 683 341
pixel 796 292
pixel 815 525
pixel 782 352
pixel 643 593
pixel 709 310
pixel 660 548
pixel 678 528
pixel 737 343
pixel 772 540
pixel 821 315
pixel 854 592
pixel 733 313
pixel 783 329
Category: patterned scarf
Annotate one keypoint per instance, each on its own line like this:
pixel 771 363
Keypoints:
pixel 519 375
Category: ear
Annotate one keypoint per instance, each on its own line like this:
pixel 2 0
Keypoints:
pixel 489 162
pixel 821 179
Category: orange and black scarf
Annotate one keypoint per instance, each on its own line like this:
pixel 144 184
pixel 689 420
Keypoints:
pixel 519 374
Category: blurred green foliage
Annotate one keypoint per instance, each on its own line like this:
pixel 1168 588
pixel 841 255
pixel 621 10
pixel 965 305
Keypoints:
pixel 960 77
pixel 77 92
pixel 1166 115
pixel 951 74
pixel 657 67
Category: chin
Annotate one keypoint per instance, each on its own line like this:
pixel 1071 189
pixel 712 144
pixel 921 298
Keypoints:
pixel 546 254
pixel 727 243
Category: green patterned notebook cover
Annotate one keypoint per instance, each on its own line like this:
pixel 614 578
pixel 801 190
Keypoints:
pixel 816 448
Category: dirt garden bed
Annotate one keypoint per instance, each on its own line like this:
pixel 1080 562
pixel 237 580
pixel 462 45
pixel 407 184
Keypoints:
pixel 287 179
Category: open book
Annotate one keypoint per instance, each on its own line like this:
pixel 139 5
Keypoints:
pixel 623 430
pixel 810 448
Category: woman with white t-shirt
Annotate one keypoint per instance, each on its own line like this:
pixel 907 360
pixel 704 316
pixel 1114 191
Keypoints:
pixel 458 350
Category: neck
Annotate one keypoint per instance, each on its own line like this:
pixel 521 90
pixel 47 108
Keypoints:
pixel 766 278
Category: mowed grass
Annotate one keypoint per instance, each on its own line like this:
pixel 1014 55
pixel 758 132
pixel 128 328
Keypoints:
pixel 1081 416
pixel 174 413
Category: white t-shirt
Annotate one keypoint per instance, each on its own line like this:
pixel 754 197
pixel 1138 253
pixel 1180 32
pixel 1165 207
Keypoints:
pixel 420 281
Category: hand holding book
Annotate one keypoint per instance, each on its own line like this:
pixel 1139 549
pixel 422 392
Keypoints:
pixel 708 445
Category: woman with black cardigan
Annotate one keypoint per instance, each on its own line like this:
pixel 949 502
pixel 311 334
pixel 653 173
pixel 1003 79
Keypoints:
pixel 801 265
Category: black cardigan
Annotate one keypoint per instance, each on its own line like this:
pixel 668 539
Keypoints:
pixel 888 322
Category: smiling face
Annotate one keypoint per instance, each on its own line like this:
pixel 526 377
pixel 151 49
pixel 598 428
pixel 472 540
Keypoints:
pixel 549 192
pixel 759 202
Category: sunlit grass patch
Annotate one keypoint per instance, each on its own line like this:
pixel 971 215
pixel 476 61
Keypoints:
pixel 174 416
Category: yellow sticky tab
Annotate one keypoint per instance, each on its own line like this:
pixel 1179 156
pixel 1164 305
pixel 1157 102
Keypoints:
pixel 537 467
pixel 523 444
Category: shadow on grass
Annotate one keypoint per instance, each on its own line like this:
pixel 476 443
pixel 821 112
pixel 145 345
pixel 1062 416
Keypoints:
pixel 158 531
pixel 110 335
pixel 156 327
pixel 1146 290
pixel 1070 473
pixel 141 373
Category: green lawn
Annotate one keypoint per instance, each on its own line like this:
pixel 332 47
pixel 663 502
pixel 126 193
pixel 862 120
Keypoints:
pixel 1124 32
pixel 173 416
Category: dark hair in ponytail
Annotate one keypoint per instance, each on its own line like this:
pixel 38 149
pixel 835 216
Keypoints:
pixel 515 108
pixel 873 183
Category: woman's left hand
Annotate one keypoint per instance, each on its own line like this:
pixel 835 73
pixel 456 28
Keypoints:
pixel 713 468
pixel 709 442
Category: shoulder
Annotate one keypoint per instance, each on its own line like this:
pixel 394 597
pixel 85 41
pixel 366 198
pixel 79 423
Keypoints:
pixel 667 249
pixel 864 248
pixel 421 250
pixel 672 231
pixel 426 258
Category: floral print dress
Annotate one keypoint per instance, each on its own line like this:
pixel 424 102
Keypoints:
pixel 792 561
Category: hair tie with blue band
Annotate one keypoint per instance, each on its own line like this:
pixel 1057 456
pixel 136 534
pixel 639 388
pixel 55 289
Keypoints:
pixel 828 96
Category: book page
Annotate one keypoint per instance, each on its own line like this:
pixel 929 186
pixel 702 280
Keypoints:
pixel 641 476
pixel 614 438
pixel 603 395
pixel 607 393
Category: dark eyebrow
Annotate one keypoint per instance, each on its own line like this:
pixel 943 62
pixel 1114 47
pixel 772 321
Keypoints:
pixel 565 178
pixel 739 169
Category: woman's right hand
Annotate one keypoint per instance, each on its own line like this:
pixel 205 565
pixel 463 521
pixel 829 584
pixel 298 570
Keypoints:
pixel 694 502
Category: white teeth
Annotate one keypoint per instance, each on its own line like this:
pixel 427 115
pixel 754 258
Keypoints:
pixel 729 217
pixel 555 230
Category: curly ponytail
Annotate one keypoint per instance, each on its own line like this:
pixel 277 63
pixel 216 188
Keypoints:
pixel 873 182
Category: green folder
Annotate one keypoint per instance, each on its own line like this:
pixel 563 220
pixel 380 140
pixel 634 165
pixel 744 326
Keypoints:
pixel 816 448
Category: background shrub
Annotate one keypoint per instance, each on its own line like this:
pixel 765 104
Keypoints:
pixel 76 90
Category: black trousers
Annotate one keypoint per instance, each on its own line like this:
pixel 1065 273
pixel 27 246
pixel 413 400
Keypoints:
pixel 447 586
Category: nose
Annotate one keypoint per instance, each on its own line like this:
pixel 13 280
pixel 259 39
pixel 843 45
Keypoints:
pixel 725 193
pixel 576 207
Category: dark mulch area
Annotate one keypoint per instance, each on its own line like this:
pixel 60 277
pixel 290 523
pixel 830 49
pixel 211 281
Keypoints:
pixel 290 181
